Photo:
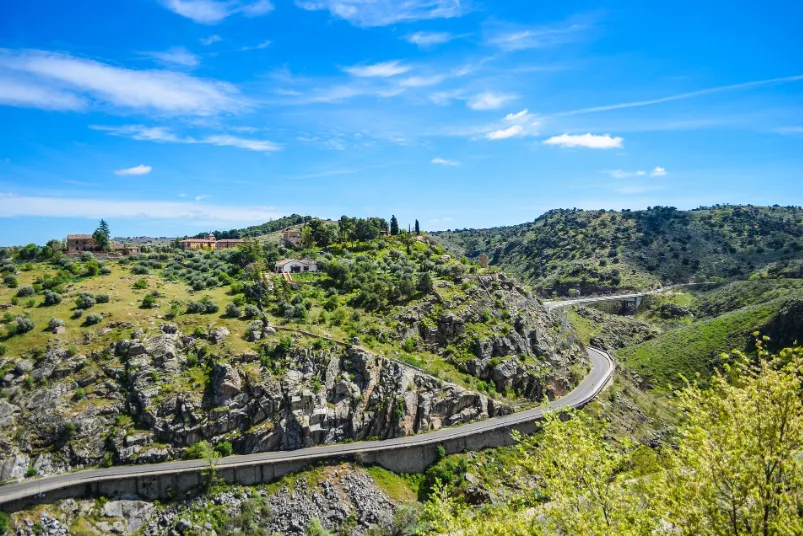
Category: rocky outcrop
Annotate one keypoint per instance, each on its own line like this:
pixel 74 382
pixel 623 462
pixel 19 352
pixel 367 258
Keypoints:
pixel 613 331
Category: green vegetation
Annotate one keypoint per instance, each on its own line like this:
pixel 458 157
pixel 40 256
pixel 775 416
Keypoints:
pixel 601 252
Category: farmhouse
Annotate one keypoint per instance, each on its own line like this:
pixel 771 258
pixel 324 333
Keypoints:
pixel 292 237
pixel 295 266
pixel 210 242
pixel 80 242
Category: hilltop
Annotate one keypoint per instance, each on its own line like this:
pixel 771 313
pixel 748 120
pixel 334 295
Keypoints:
pixel 598 251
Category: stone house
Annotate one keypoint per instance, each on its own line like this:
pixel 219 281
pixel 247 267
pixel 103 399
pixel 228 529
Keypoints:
pixel 295 266
pixel 292 237
pixel 80 242
pixel 210 242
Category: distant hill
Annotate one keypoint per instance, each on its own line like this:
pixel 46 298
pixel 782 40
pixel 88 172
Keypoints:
pixel 598 251
pixel 259 230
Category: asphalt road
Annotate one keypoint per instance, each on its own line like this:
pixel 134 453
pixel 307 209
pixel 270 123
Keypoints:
pixel 587 390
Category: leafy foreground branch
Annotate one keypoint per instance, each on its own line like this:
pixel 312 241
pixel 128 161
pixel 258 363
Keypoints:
pixel 734 466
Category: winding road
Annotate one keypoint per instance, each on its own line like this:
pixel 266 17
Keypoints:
pixel 601 372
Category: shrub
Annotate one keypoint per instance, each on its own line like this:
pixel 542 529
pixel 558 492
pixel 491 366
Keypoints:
pixel 149 301
pixel 201 450
pixel 140 284
pixel 204 306
pixel 3 350
pixel 92 268
pixel 139 269
pixel 92 319
pixel 54 323
pixel 102 298
pixel 233 311
pixel 26 292
pixel 67 431
pixel 52 298
pixel 105 270
pixel 79 394
pixel 21 324
pixel 251 311
pixel 10 280
pixel 85 300
pixel 224 449
pixel 77 313
pixel 87 256
pixel 409 344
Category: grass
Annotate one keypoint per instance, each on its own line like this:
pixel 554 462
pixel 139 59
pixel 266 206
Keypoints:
pixel 696 348
pixel 400 488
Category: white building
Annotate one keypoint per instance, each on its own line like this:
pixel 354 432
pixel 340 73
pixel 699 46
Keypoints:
pixel 295 266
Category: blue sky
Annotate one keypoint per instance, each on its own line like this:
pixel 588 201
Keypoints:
pixel 169 117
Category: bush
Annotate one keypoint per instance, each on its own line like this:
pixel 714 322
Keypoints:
pixel 87 256
pixel 105 270
pixel 140 284
pixel 149 301
pixel 233 311
pixel 201 450
pixel 5 523
pixel 52 298
pixel 204 306
pixel 92 319
pixel 26 292
pixel 20 325
pixel 54 323
pixel 77 313
pixel 251 311
pixel 85 300
pixel 92 268
pixel 409 344
pixel 3 350
pixel 139 269
pixel 79 394
pixel 102 298
pixel 224 449
pixel 11 281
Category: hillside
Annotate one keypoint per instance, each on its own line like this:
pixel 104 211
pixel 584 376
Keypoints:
pixel 604 252
pixel 159 356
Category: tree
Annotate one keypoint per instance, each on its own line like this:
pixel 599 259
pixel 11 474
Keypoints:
pixel 417 228
pixel 307 240
pixel 346 228
pixel 394 226
pixel 101 236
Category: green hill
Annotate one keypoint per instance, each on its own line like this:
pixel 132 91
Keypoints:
pixel 598 251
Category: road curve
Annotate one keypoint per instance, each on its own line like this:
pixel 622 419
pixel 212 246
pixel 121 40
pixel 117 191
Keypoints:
pixel 601 372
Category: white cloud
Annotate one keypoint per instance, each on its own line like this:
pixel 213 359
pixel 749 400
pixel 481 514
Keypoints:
pixel 136 170
pixel 658 172
pixel 64 81
pixel 25 94
pixel 514 131
pixel 211 39
pixel 59 207
pixel 260 46
pixel 422 81
pixel 162 134
pixel 384 69
pixel 176 56
pixel 213 11
pixel 429 39
pixel 202 197
pixel 444 162
pixel 368 13
pixel 522 115
pixel 489 100
pixel 512 37
pixel 622 174
pixel 590 141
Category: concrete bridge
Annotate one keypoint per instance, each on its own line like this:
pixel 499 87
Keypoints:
pixel 633 300
pixel 409 454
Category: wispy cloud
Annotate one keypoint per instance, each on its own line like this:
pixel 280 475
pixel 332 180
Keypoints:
pixel 489 100
pixel 622 174
pixel 589 141
pixel 176 56
pixel 211 39
pixel 515 131
pixel 214 11
pixel 445 162
pixel 519 116
pixel 24 94
pixel 429 39
pixel 422 81
pixel 162 134
pixel 681 96
pixel 658 172
pixel 261 46
pixel 59 207
pixel 65 82
pixel 202 197
pixel 136 170
pixel 384 69
pixel 512 37
pixel 368 13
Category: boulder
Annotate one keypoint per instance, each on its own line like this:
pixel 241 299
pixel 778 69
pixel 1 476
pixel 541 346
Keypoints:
pixel 226 383
pixel 216 335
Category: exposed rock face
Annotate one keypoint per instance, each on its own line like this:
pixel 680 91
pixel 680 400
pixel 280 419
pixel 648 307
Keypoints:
pixel 529 351
pixel 614 331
